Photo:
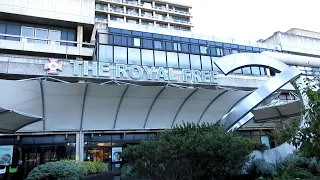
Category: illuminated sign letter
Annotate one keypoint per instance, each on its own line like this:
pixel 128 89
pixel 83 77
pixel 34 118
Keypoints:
pixel 206 78
pixel 149 71
pixel 162 74
pixel 87 68
pixel 196 76
pixel 171 75
pixel 134 75
pixel 186 74
pixel 104 67
pixel 76 66
pixel 121 69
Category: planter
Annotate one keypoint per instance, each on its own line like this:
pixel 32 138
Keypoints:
pixel 101 176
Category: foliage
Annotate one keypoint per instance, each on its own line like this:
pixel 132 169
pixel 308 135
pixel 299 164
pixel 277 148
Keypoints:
pixel 284 131
pixel 189 151
pixel 59 170
pixel 296 166
pixel 260 147
pixel 261 168
pixel 89 167
pixel 308 138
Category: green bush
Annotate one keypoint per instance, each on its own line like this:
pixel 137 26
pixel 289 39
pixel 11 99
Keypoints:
pixel 296 166
pixel 100 167
pixel 60 170
pixel 261 168
pixel 190 151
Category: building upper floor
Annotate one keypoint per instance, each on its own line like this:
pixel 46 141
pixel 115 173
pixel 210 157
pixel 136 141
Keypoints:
pixel 145 12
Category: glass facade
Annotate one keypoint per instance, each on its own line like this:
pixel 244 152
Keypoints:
pixel 176 52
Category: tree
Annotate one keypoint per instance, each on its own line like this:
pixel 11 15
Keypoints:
pixel 308 138
pixel 285 130
pixel 189 152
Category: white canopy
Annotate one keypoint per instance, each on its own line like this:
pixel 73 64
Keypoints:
pixel 82 106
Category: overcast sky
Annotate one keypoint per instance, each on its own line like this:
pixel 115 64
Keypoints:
pixel 253 19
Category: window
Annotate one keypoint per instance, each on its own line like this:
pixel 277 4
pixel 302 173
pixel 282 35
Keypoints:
pixel 55 35
pixel 263 71
pixel 2 30
pixel 219 52
pixel 255 70
pixel 105 53
pixel 147 57
pixel 134 56
pixel 42 34
pixel 120 55
pixel 246 70
pixel 214 67
pixel 234 51
pixel 195 62
pixel 27 32
pixel 157 44
pixel 13 30
pixel 136 42
pixel 226 51
pixel 177 46
pixel 184 61
pixel 117 40
pixel 195 49
pixel 147 43
pixel 172 59
pixel 185 48
pixel 204 50
pixel 206 63
pixel 238 71
pixel 169 46
pixel 265 140
pixel 160 58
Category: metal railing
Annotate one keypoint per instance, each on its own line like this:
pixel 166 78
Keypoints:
pixel 135 3
pixel 36 40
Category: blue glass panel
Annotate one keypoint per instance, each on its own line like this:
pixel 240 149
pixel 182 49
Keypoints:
pixel 124 41
pixel 120 55
pixel 226 45
pixel 13 30
pixel 110 38
pixel 158 45
pixel 255 70
pixel 218 44
pixel 213 51
pixel 174 38
pixel 147 34
pixel 147 43
pixel 263 71
pixel 172 59
pixel 242 47
pixel 206 63
pixel 202 42
pixel 195 49
pixel 169 46
pixel 134 56
pixel 137 33
pixel 114 30
pixel 234 46
pixel 196 41
pixel 147 57
pixel 166 37
pixel 117 40
pixel 195 62
pixel 261 49
pixel 238 71
pixel 105 53
pixel 3 28
pixel 157 36
pixel 160 58
pixel 184 61
pixel 226 52
pixel 248 48
pixel 255 49
pixel 126 32
pixel 246 70
pixel 211 43
pixel 214 67
pixel 185 48
pixel 185 39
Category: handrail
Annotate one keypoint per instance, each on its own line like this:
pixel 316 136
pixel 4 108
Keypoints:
pixel 24 39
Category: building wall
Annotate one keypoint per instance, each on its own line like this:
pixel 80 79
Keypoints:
pixel 306 33
pixel 80 11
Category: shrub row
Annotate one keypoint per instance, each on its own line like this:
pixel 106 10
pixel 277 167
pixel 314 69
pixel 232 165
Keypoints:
pixel 294 166
pixel 65 170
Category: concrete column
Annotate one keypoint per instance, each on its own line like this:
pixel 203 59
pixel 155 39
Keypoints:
pixel 167 6
pixel 139 1
pixel 140 21
pixel 168 25
pixel 109 17
pixel 124 9
pixel 139 12
pixel 79 146
pixel 79 35
pixel 124 19
pixel 153 3
pixel 108 6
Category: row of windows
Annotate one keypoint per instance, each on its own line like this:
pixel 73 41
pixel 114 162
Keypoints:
pixel 182 40
pixel 33 31
pixel 124 55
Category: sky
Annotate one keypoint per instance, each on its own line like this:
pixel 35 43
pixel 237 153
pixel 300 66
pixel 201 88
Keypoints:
pixel 252 19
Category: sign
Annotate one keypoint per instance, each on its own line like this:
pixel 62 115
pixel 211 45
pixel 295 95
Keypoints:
pixel 53 66
pixel 6 155
pixel 116 151
pixel 138 72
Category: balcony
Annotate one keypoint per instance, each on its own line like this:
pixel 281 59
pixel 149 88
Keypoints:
pixel 136 4
pixel 39 45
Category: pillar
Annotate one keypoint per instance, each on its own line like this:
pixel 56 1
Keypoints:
pixel 79 146
pixel 79 36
